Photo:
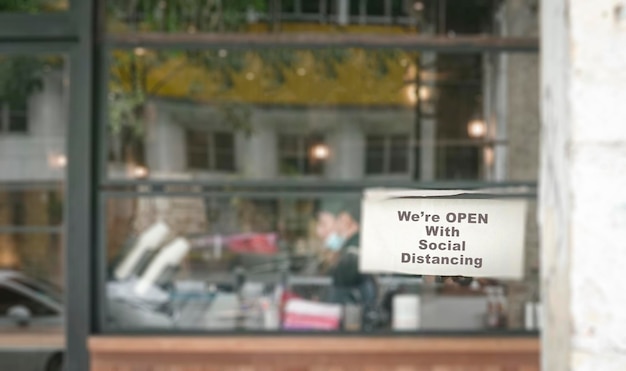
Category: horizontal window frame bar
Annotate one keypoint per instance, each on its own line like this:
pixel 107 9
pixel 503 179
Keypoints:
pixel 289 195
pixel 108 331
pixel 461 142
pixel 28 229
pixel 318 186
pixel 355 194
pixel 354 20
pixel 108 195
pixel 31 186
pixel 40 47
pixel 27 28
pixel 460 44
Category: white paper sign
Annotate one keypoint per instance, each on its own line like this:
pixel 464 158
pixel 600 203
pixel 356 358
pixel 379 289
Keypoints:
pixel 445 233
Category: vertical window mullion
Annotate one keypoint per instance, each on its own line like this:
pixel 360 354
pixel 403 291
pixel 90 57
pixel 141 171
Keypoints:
pixel 297 7
pixel 387 154
pixel 301 155
pixel 4 119
pixel 211 150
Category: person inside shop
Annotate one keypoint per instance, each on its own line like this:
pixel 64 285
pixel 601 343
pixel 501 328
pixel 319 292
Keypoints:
pixel 338 224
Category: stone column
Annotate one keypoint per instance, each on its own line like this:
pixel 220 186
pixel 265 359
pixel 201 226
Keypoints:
pixel 583 184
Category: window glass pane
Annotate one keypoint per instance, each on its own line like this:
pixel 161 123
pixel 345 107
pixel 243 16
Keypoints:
pixel 400 7
pixel 312 6
pixel 376 7
pixel 416 116
pixel 399 154
pixel 289 145
pixel 34 92
pixel 224 151
pixel 231 263
pixel 469 17
pixel 197 143
pixel 262 16
pixel 288 6
pixel 18 122
pixel 375 155
pixel 460 163
pixel 33 6
pixel 309 119
pixel 34 207
pixel 355 7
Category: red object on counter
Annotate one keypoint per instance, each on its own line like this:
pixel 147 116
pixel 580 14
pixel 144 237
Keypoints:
pixel 255 243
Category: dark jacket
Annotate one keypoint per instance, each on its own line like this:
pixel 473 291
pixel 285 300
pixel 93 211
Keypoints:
pixel 346 272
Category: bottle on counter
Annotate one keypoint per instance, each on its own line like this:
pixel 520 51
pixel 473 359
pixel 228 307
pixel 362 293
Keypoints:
pixel 502 307
pixel 492 308
pixel 530 320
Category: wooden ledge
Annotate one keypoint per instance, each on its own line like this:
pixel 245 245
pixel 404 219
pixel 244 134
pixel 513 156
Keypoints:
pixel 288 353
pixel 311 345
pixel 27 339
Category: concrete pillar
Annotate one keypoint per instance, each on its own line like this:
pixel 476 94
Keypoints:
pixel 582 184
pixel 165 145
pixel 260 155
pixel 347 144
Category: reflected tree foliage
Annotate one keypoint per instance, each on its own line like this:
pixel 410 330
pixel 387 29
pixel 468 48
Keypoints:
pixel 139 75
pixel 32 6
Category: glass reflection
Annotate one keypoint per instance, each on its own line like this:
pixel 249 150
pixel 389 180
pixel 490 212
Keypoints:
pixel 279 264
pixel 335 114
pixel 288 16
pixel 33 121
pixel 33 6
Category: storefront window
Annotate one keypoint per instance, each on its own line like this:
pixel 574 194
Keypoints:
pixel 240 140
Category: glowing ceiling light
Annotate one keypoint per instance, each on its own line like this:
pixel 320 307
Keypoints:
pixel 320 151
pixel 425 93
pixel 488 155
pixel 410 92
pixel 140 172
pixel 57 161
pixel 476 128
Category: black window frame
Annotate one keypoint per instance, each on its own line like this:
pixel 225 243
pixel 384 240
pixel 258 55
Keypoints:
pixel 209 148
pixel 387 153
pixel 8 113
pixel 297 161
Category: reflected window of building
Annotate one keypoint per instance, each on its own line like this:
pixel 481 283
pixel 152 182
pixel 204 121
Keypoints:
pixel 301 154
pixel 210 151
pixel 13 118
pixel 386 154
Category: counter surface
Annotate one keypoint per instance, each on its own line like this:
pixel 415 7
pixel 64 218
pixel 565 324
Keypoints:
pixel 314 353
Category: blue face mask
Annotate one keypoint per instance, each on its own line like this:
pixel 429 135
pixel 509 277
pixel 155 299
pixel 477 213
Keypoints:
pixel 333 242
